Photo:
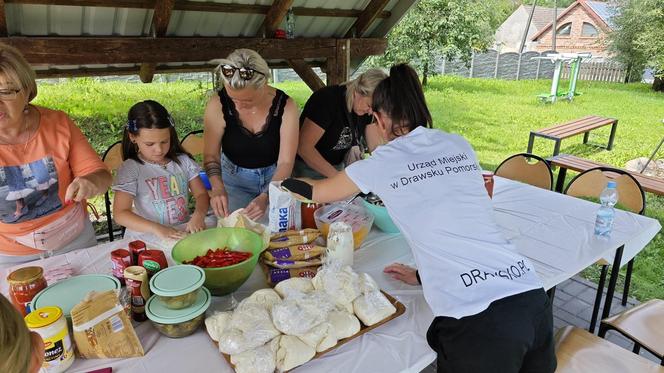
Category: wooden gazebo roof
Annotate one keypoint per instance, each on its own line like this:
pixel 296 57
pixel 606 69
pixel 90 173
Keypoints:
pixel 109 37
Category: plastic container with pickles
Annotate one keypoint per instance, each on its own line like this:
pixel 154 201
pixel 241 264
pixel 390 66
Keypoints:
pixel 178 323
pixel 178 287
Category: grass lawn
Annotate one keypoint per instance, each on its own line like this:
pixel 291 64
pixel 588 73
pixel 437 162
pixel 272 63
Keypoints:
pixel 496 116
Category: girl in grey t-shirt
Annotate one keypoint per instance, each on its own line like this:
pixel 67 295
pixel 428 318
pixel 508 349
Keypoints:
pixel 152 186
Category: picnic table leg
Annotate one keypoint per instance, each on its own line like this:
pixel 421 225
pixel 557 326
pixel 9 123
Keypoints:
pixel 560 182
pixel 628 279
pixel 556 148
pixel 615 268
pixel 585 137
pixel 612 135
pixel 598 299
pixel 551 293
pixel 531 140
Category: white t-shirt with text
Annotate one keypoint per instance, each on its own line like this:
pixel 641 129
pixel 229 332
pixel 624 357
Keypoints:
pixel 432 186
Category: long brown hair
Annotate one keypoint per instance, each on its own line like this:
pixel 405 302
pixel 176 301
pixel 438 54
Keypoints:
pixel 150 114
pixel 401 98
pixel 15 340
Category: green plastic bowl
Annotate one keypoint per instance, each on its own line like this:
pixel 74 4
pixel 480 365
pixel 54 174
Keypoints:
pixel 224 280
pixel 381 218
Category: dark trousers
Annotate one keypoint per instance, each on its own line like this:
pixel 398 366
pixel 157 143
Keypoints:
pixel 513 335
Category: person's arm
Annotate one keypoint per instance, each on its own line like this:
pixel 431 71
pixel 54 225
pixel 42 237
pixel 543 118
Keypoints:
pixel 310 134
pixel 197 220
pixel 123 215
pixel 214 126
pixel 288 139
pixel 90 185
pixel 373 137
pixel 403 273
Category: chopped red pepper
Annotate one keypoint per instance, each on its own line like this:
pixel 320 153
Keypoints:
pixel 219 258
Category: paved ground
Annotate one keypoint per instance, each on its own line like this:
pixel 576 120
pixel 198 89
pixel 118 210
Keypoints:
pixel 572 305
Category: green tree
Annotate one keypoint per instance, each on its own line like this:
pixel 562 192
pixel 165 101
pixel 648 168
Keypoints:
pixel 443 28
pixel 561 4
pixel 638 37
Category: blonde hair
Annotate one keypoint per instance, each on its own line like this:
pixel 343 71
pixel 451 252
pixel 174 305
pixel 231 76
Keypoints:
pixel 249 59
pixel 16 69
pixel 364 85
pixel 16 351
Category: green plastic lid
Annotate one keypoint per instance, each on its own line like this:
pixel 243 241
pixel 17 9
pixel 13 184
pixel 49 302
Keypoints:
pixel 177 280
pixel 157 312
pixel 70 292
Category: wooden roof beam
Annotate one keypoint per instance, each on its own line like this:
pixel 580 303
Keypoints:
pixel 274 16
pixel 364 21
pixel 306 73
pixel 199 6
pixel 160 20
pixel 116 50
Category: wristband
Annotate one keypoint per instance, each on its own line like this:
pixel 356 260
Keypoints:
pixel 298 186
pixel 417 274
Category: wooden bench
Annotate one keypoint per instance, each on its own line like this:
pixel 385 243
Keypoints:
pixel 569 162
pixel 564 130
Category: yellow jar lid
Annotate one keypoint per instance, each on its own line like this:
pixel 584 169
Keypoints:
pixel 25 275
pixel 42 317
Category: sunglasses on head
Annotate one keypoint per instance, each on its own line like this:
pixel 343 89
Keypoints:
pixel 245 73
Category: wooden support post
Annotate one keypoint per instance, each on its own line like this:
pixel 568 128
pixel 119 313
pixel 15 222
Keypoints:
pixel 162 16
pixel 366 18
pixel 306 73
pixel 274 16
pixel 3 19
pixel 337 66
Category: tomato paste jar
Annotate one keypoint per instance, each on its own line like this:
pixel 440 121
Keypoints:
pixel 24 284
pixel 120 259
pixel 307 210
pixel 136 247
pixel 153 261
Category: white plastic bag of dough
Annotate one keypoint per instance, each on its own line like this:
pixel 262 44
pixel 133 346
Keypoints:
pixel 320 337
pixel 372 308
pixel 265 297
pixel 292 352
pixel 340 282
pixel 295 284
pixel 367 284
pixel 261 359
pixel 216 324
pixel 238 219
pixel 297 314
pixel 344 324
pixel 249 327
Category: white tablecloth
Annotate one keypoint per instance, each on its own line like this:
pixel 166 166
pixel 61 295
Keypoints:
pixel 553 230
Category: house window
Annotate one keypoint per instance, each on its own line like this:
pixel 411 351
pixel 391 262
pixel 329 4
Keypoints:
pixel 589 30
pixel 565 30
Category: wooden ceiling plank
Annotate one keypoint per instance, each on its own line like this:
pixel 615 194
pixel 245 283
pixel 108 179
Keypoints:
pixel 369 14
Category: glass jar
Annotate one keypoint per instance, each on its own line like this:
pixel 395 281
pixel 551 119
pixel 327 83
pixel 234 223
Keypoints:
pixel 307 210
pixel 24 284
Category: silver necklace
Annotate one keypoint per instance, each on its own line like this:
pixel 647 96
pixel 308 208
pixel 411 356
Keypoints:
pixel 155 163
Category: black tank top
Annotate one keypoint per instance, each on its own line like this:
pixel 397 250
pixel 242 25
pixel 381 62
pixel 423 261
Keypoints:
pixel 246 149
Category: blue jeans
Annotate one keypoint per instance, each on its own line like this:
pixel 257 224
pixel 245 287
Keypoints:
pixel 244 184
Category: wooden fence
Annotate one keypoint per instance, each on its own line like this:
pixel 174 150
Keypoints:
pixel 599 71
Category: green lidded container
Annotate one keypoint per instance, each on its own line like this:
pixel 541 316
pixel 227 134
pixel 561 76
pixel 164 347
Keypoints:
pixel 181 322
pixel 177 287
pixel 69 292
pixel 223 280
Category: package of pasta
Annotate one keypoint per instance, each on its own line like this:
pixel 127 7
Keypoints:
pixel 291 238
pixel 276 275
pixel 289 264
pixel 297 252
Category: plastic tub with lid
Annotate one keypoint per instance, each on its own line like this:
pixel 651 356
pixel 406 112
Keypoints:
pixel 177 287
pixel 352 214
pixel 178 323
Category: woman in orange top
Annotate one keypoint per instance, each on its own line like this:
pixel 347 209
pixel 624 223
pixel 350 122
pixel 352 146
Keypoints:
pixel 47 171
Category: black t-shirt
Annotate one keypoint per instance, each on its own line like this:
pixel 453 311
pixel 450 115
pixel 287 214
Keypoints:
pixel 247 149
pixel 327 108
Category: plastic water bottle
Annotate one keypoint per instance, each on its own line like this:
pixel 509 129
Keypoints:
pixel 606 212
pixel 290 24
